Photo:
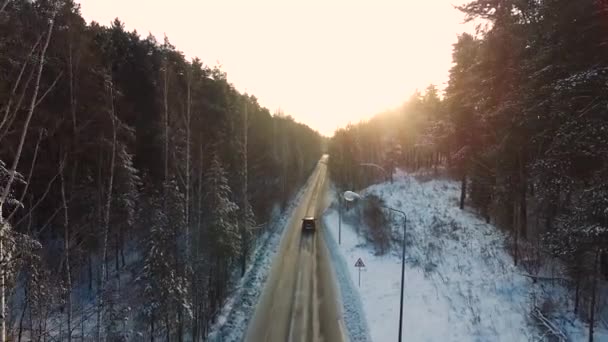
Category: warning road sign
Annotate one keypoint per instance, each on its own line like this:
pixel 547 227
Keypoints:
pixel 358 265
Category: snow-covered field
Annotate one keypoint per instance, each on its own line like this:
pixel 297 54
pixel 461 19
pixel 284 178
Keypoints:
pixel 460 283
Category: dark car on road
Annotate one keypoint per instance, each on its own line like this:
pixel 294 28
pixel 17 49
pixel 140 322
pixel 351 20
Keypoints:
pixel 309 224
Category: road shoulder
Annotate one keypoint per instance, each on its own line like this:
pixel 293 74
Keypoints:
pixel 352 307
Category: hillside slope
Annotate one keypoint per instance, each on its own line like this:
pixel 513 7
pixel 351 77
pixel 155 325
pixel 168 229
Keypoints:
pixel 460 285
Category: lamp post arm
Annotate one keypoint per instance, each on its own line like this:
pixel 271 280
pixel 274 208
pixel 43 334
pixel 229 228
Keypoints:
pixel 395 210
pixel 386 174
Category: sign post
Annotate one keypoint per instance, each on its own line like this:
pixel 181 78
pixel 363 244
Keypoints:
pixel 339 220
pixel 359 264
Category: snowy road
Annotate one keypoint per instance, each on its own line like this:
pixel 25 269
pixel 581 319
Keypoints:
pixel 300 299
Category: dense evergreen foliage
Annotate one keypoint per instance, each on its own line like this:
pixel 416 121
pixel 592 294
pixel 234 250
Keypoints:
pixel 131 179
pixel 523 124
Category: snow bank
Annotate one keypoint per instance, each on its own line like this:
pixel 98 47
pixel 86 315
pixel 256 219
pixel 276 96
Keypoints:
pixel 355 321
pixel 460 283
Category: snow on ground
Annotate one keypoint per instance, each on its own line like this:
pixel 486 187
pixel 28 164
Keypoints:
pixel 460 283
pixel 355 321
pixel 231 325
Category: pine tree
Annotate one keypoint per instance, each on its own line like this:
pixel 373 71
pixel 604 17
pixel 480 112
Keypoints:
pixel 158 270
pixel 224 235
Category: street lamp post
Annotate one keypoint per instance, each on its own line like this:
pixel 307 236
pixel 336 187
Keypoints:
pixel 339 220
pixel 353 196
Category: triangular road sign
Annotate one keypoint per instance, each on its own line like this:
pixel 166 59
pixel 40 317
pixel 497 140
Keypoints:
pixel 359 263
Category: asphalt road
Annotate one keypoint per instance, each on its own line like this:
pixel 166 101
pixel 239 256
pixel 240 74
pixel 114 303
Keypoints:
pixel 299 301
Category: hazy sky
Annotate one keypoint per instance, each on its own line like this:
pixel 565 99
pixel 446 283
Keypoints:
pixel 325 62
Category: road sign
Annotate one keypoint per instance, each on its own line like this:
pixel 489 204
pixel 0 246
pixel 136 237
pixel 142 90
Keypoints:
pixel 359 264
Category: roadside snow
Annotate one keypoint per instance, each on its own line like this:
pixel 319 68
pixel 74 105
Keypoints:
pixel 232 322
pixel 354 317
pixel 460 283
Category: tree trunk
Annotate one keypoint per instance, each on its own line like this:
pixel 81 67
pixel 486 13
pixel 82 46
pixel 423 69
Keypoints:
pixel 116 253
pixel 82 319
pixel 516 227
pixel 194 324
pixel 168 327
pixel 9 115
pixel 25 301
pixel 90 262
pixel 594 294
pixel 106 220
pixel 198 300
pixel 187 200
pixel 2 284
pixel 463 190
pixel 68 273
pixel 523 189
pixel 180 325
pixel 122 246
pixel 100 221
pixel 152 328
pixel 4 5
pixel 244 200
pixel 577 294
pixel 166 121
pixel 29 178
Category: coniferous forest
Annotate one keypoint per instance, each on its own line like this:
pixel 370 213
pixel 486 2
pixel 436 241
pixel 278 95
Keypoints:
pixel 523 125
pixel 135 182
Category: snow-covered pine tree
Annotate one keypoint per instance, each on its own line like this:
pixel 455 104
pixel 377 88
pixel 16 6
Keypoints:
pixel 158 270
pixel 580 238
pixel 223 235
pixel 123 217
pixel 245 213
pixel 126 198
pixel 179 300
pixel 42 292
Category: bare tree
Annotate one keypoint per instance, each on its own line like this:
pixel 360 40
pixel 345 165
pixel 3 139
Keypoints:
pixel 4 5
pixel 68 273
pixel 166 117
pixel 244 212
pixel 188 121
pixel 12 174
pixel 592 305
pixel 8 114
pixel 106 217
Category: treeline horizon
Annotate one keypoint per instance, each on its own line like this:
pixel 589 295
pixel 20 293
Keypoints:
pixel 135 183
pixel 523 125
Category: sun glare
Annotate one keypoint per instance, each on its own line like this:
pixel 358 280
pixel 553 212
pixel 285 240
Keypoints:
pixel 326 64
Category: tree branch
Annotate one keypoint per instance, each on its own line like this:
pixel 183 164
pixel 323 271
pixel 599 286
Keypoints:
pixel 11 116
pixel 7 108
pixel 46 192
pixel 28 119
pixel 29 177
pixel 4 5
pixel 49 89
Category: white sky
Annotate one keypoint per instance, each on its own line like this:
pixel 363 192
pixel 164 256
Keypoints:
pixel 326 63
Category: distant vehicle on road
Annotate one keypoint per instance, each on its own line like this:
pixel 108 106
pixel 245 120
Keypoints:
pixel 309 224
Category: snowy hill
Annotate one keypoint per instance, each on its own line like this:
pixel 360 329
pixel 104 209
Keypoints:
pixel 460 285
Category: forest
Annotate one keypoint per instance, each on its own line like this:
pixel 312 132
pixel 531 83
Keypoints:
pixel 134 182
pixel 523 125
